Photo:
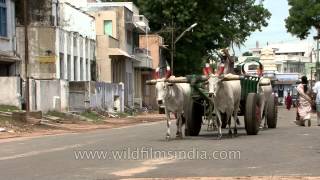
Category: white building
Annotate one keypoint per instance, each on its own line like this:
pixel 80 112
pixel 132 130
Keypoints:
pixel 285 63
pixel 287 57
pixel 9 62
pixel 292 57
pixel 61 49
pixel 10 89
pixel 76 43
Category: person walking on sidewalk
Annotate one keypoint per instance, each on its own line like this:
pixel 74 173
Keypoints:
pixel 316 89
pixel 288 101
pixel 304 103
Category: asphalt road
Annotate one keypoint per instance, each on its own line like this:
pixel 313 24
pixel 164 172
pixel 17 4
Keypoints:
pixel 286 151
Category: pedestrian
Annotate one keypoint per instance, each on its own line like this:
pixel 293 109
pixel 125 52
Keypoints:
pixel 288 101
pixel 316 89
pixel 304 103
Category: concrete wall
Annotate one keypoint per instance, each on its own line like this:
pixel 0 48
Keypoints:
pixel 108 96
pixel 96 95
pixel 10 91
pixel 49 95
pixel 72 19
pixel 153 45
pixel 103 60
pixel 42 57
pixel 100 17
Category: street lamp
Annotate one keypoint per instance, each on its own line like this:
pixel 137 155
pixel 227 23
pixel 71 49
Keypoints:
pixel 173 42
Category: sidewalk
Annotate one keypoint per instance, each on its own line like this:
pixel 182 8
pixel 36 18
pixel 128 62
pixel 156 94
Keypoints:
pixel 19 129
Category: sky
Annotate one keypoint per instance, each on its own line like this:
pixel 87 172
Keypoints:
pixel 276 31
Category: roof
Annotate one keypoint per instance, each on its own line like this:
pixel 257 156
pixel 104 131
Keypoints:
pixel 129 5
pixel 293 47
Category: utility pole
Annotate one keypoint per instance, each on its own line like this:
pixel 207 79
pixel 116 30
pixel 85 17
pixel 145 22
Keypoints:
pixel 26 52
pixel 317 63
pixel 172 45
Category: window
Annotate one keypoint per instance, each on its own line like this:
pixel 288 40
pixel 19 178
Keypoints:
pixel 3 18
pixel 108 27
pixel 75 69
pixel 69 67
pixel 129 37
pixel 61 66
pixel 81 69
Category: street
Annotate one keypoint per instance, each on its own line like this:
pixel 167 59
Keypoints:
pixel 286 151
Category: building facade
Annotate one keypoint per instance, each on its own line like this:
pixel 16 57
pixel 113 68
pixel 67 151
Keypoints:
pixel 61 50
pixel 285 63
pixel 11 89
pixel 154 43
pixel 9 59
pixel 119 59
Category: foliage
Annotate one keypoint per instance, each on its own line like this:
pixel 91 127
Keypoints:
pixel 220 23
pixel 303 15
pixel 7 108
pixel 91 115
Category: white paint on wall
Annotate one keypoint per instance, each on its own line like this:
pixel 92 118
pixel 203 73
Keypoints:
pixel 10 91
pixel 76 20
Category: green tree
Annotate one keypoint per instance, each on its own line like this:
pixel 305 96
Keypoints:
pixel 303 15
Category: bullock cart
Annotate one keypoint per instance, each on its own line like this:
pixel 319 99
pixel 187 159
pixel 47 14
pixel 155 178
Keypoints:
pixel 250 105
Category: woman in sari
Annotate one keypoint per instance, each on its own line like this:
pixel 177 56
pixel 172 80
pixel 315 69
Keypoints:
pixel 304 103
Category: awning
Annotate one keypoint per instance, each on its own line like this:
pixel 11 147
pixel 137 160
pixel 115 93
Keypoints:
pixel 118 52
pixel 8 58
pixel 284 82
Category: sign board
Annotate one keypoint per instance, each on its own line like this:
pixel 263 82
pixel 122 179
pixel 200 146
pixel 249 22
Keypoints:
pixel 47 59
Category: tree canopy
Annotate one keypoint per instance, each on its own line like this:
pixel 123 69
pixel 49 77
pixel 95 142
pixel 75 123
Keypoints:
pixel 303 15
pixel 220 23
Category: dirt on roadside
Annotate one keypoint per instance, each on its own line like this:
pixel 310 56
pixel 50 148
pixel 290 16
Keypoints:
pixel 20 129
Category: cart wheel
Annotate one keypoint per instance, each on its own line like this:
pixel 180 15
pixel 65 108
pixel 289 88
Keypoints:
pixel 193 119
pixel 252 116
pixel 272 114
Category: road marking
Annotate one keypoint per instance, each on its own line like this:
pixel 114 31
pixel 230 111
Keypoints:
pixel 146 166
pixel 143 124
pixel 234 178
pixel 33 153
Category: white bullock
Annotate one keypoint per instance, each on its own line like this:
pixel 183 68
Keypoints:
pixel 264 94
pixel 175 98
pixel 226 97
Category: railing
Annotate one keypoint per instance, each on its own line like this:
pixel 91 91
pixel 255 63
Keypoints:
pixel 296 58
pixel 141 21
pixel 141 51
pixel 113 42
pixel 143 57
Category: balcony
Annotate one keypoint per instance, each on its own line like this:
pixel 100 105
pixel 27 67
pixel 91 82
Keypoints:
pixel 143 58
pixel 291 58
pixel 141 23
pixel 113 42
